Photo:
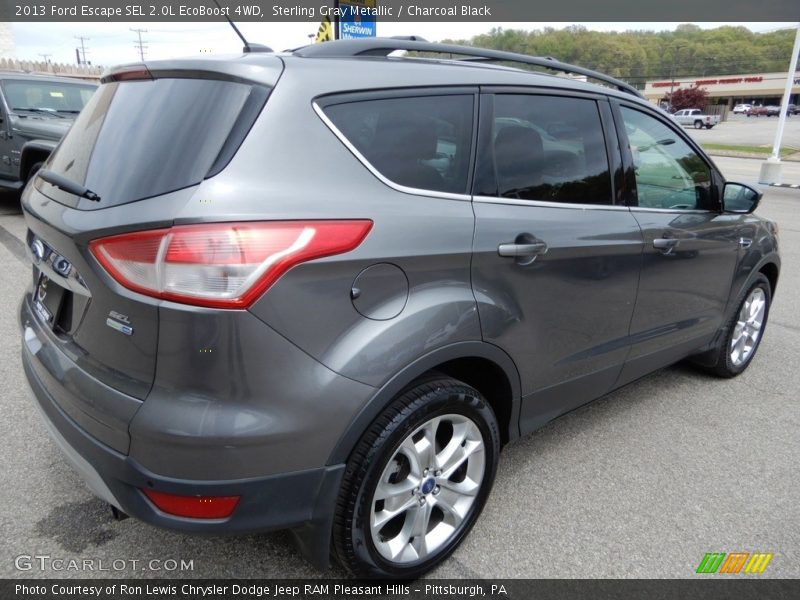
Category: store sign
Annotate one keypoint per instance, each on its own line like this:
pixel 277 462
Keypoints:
pixel 705 82
pixel 358 19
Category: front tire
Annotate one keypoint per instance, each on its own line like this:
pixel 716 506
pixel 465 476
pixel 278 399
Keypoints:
pixel 698 124
pixel 743 332
pixel 417 481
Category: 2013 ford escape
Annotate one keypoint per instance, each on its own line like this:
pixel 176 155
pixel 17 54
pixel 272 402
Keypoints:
pixel 320 289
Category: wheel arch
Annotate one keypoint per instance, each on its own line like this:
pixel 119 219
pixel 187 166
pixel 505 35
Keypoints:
pixel 484 366
pixel 32 152
pixel 771 271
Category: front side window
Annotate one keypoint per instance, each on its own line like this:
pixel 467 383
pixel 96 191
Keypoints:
pixel 669 173
pixel 550 148
pixel 420 142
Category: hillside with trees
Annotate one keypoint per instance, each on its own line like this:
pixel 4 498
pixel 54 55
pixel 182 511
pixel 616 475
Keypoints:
pixel 635 56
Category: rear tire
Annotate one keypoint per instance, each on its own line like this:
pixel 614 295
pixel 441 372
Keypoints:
pixel 743 332
pixel 417 481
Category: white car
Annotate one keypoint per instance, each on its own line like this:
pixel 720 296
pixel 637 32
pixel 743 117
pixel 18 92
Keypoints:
pixel 742 108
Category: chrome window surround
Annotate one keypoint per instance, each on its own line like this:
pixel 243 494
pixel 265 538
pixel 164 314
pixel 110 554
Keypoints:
pixel 466 197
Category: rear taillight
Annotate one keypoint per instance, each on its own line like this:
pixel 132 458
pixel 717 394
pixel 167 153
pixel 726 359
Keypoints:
pixel 193 507
pixel 221 265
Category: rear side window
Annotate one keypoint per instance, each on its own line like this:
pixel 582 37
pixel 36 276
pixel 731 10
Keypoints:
pixel 550 148
pixel 139 139
pixel 421 142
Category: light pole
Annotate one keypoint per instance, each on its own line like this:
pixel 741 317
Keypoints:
pixel 771 168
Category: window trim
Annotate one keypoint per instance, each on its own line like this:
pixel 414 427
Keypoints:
pixel 548 203
pixel 488 94
pixel 627 159
pixel 320 103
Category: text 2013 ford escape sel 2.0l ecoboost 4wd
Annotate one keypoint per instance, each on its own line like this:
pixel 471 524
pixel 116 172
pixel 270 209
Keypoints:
pixel 319 290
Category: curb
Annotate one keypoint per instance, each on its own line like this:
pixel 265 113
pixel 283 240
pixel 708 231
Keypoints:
pixel 794 186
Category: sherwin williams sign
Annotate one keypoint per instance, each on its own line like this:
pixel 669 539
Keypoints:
pixel 357 19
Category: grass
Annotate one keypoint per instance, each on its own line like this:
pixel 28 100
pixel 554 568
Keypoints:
pixel 760 150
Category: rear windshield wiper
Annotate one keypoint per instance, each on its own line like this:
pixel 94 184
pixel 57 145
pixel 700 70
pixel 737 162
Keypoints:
pixel 67 185
pixel 38 110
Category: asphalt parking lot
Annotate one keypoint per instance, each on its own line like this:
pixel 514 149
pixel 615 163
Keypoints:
pixel 750 131
pixel 641 483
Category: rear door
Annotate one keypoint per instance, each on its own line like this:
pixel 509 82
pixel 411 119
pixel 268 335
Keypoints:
pixel 556 255
pixel 690 248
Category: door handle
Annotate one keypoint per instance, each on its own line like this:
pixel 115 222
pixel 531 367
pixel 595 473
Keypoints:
pixel 666 245
pixel 745 242
pixel 522 250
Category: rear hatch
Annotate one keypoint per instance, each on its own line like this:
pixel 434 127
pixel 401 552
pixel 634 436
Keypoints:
pixel 144 142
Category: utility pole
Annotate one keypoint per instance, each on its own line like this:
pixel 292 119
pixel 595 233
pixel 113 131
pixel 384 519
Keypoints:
pixel 140 46
pixel 672 72
pixel 46 58
pixel 82 56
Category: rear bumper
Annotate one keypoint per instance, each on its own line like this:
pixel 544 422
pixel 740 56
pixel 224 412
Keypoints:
pixel 302 500
pixel 268 503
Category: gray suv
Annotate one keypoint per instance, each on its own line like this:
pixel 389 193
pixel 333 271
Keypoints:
pixel 321 289
pixel 35 113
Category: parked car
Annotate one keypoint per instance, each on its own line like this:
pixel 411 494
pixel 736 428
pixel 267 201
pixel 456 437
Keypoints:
pixel 792 109
pixel 773 110
pixel 694 117
pixel 758 111
pixel 227 333
pixel 35 112
pixel 741 108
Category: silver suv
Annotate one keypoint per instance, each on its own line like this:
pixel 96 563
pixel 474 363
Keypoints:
pixel 321 289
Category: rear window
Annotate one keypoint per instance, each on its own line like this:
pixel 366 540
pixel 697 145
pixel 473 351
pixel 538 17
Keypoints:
pixel 420 142
pixel 139 139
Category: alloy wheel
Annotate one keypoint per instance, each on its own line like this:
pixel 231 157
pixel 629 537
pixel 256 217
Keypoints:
pixel 748 327
pixel 427 489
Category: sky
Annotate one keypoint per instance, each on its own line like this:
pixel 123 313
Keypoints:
pixel 113 43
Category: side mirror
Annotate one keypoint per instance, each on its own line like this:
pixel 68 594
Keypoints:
pixel 740 198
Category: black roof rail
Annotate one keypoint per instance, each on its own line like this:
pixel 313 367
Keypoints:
pixel 385 46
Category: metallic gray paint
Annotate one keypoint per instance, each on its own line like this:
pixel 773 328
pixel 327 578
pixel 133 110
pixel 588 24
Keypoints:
pixel 292 383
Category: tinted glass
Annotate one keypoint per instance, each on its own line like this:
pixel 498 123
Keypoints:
pixel 44 95
pixel 420 142
pixel 550 148
pixel 669 174
pixel 140 139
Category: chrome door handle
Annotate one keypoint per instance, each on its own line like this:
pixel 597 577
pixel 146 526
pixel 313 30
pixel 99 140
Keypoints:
pixel 516 250
pixel 745 242
pixel 666 245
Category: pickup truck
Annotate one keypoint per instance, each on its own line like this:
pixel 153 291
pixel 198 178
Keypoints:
pixel 696 118
pixel 35 113
pixel 758 111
